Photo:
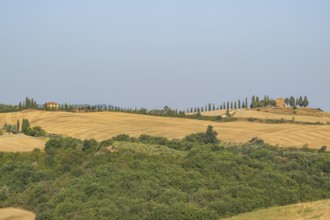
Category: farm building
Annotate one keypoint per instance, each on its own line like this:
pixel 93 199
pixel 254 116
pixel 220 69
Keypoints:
pixel 52 105
pixel 280 103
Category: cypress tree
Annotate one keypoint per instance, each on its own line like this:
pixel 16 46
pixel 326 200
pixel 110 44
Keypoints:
pixel 301 102
pixel 253 104
pixel 239 104
pixel 25 125
pixel 305 102
pixel 292 101
pixel 257 102
pixel 18 125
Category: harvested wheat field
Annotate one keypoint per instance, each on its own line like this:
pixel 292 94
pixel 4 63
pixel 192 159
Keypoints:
pixel 16 214
pixel 302 115
pixel 319 210
pixel 20 142
pixel 104 125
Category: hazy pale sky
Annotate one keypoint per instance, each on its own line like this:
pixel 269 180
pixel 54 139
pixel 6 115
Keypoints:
pixel 180 53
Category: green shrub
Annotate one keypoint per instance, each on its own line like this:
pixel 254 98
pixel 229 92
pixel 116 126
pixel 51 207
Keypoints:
pixel 14 129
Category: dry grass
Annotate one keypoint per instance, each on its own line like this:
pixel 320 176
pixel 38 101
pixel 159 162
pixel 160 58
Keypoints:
pixel 302 115
pixel 16 214
pixel 20 142
pixel 104 125
pixel 314 210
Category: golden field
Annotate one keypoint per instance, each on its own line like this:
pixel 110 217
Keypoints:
pixel 319 210
pixel 16 214
pixel 20 142
pixel 301 115
pixel 104 125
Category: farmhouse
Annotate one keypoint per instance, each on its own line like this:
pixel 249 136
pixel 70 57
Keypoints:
pixel 280 103
pixel 52 105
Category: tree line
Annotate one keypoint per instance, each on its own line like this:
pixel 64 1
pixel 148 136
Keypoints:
pixel 255 102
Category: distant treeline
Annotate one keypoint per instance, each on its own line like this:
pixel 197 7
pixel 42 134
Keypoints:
pixel 255 102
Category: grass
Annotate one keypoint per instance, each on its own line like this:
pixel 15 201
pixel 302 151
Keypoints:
pixel 16 214
pixel 319 210
pixel 104 125
pixel 302 115
pixel 20 142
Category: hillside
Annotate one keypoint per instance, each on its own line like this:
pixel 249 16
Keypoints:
pixel 16 214
pixel 313 210
pixel 155 178
pixel 104 125
pixel 20 142
pixel 299 115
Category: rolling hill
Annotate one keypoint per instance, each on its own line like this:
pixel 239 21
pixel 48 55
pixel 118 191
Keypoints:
pixel 319 210
pixel 104 125
pixel 299 115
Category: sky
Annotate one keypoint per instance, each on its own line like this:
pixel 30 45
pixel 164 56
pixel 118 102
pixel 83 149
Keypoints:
pixel 178 53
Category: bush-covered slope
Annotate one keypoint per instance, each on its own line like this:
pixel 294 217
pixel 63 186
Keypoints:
pixel 148 178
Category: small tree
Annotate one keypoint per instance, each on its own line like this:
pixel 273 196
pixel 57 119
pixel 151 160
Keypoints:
pixel 253 102
pixel 300 101
pixel 305 102
pixel 211 136
pixel 14 129
pixel 25 125
pixel 18 125
pixel 292 101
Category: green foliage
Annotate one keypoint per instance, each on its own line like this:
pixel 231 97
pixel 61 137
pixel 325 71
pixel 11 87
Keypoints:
pixel 36 131
pixel 305 102
pixel 14 129
pixel 292 101
pixel 155 178
pixel 25 125
pixel 209 137
pixel 9 128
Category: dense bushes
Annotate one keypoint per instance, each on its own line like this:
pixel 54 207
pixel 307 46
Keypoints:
pixel 156 178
